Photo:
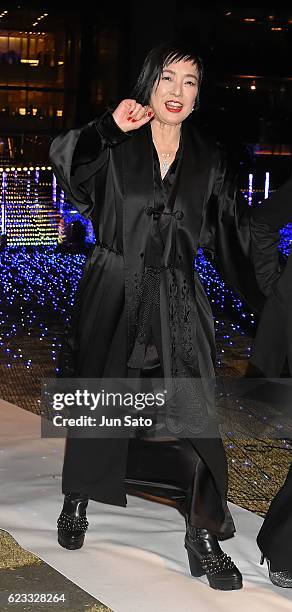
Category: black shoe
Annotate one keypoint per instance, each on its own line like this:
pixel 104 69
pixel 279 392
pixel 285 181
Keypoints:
pixel 279 577
pixel 206 557
pixel 72 522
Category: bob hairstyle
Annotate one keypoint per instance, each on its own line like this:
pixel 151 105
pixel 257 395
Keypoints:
pixel 157 59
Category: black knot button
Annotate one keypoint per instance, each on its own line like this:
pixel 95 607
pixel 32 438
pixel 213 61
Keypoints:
pixel 149 210
pixel 156 214
pixel 178 214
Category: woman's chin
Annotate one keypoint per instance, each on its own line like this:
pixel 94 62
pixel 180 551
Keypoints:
pixel 170 118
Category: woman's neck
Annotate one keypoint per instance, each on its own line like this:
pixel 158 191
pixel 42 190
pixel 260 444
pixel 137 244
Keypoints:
pixel 167 136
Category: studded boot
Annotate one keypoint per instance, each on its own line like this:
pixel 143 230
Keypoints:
pixel 72 522
pixel 207 558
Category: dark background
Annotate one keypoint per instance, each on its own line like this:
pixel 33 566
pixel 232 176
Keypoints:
pixel 93 54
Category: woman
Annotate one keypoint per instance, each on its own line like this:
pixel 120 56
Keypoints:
pixel 272 347
pixel 155 190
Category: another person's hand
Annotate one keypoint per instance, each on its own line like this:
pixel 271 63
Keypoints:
pixel 130 115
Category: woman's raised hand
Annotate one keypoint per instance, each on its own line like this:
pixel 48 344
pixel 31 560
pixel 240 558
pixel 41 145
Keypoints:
pixel 130 115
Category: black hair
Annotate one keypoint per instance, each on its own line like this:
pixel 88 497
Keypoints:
pixel 157 59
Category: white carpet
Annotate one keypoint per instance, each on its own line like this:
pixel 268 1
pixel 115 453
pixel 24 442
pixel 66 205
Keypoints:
pixel 133 558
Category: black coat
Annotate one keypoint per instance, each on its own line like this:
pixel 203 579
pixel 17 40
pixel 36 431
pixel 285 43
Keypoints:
pixel 272 345
pixel 273 341
pixel 108 175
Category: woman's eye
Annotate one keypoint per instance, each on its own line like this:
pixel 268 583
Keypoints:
pixel 191 83
pixel 165 78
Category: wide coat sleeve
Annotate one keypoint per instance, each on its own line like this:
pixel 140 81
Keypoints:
pixel 226 233
pixel 77 156
pixel 266 221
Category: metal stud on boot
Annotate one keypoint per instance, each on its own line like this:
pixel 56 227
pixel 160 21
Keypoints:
pixel 206 557
pixel 72 522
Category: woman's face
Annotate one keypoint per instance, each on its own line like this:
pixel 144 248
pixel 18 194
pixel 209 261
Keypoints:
pixel 175 95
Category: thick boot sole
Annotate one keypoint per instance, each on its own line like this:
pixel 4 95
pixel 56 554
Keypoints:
pixel 227 583
pixel 71 542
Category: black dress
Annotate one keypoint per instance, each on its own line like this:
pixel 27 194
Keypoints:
pixel 170 461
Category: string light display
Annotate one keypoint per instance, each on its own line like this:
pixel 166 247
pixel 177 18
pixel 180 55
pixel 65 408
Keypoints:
pixel 286 240
pixel 35 213
pixel 250 190
pixel 34 210
pixel 267 185
pixel 43 281
pixel 39 285
pixel 28 215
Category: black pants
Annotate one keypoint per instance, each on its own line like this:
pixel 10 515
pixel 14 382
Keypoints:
pixel 173 462
pixel 275 536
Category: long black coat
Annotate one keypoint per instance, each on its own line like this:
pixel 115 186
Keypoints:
pixel 108 175
pixel 273 340
pixel 272 345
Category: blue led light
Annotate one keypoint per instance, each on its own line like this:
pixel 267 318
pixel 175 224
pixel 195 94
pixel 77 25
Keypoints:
pixel 35 213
